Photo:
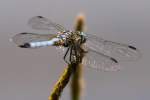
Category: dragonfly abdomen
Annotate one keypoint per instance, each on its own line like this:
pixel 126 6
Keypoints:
pixel 40 43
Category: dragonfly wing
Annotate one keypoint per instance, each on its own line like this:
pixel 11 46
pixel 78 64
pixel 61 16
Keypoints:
pixel 23 39
pixel 99 61
pixel 61 50
pixel 121 52
pixel 42 23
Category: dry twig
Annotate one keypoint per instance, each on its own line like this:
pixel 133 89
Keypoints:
pixel 73 68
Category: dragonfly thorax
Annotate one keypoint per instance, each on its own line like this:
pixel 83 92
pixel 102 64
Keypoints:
pixel 73 38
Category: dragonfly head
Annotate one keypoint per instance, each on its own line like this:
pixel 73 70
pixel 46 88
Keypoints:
pixel 83 36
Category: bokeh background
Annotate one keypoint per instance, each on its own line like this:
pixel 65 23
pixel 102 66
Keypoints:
pixel 31 74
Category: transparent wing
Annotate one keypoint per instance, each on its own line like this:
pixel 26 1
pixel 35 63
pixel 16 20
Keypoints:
pixel 23 39
pixel 121 52
pixel 99 61
pixel 42 23
pixel 61 50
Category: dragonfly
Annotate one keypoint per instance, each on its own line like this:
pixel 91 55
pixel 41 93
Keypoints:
pixel 99 54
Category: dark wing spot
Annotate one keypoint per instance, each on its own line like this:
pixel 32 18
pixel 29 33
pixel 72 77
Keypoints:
pixel 131 47
pixel 24 33
pixel 26 45
pixel 113 59
pixel 40 16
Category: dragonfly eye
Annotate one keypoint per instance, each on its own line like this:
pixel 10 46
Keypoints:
pixel 84 40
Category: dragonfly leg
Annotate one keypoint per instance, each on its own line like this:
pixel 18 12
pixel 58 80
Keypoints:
pixel 70 59
pixel 66 55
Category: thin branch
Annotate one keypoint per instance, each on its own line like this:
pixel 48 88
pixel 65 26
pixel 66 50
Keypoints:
pixel 76 86
pixel 73 68
pixel 61 83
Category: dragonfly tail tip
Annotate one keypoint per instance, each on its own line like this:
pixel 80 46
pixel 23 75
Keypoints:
pixel 26 45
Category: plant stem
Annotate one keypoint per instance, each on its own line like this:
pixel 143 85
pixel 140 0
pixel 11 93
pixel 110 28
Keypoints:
pixel 73 68
pixel 61 84
pixel 76 86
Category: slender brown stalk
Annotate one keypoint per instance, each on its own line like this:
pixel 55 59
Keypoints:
pixel 73 68
pixel 61 83
pixel 76 86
